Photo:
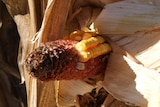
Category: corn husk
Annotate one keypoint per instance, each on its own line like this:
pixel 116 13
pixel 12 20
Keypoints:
pixel 144 46
pixel 131 82
pixel 132 70
pixel 67 90
pixel 128 17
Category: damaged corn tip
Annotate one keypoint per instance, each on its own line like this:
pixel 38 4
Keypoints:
pixel 91 42
pixel 95 52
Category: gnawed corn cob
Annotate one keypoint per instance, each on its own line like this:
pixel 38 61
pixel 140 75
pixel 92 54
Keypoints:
pixel 83 45
pixel 94 52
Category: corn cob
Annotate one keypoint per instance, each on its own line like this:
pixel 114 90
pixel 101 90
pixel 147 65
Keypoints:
pixel 94 52
pixel 83 45
pixel 58 59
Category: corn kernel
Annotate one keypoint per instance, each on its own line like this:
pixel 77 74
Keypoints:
pixel 76 35
pixel 100 50
pixel 84 56
pixel 94 52
pixel 86 35
pixel 91 42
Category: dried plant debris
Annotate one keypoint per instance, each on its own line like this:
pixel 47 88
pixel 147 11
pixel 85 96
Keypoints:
pixel 96 98
pixel 92 99
pixel 59 60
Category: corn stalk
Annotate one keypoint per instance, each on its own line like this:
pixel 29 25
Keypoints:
pixel 43 94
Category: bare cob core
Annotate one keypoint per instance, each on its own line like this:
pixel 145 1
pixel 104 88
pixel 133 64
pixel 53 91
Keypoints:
pixel 59 60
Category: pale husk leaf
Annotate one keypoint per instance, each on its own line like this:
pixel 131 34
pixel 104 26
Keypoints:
pixel 144 46
pixel 127 17
pixel 67 90
pixel 126 78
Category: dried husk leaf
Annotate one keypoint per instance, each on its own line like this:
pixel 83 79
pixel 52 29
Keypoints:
pixel 25 44
pixel 129 81
pixel 127 18
pixel 144 46
pixel 81 18
pixel 150 2
pixel 132 79
pixel 82 13
pixel 110 101
pixel 67 90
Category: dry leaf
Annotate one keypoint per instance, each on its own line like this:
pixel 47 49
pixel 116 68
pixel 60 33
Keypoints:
pixel 127 17
pixel 144 46
pixel 130 81
pixel 67 90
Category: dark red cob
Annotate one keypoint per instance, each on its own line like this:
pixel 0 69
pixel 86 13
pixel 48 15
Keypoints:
pixel 59 60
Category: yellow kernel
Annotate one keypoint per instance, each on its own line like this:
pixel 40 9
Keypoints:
pixel 76 35
pixel 86 35
pixel 88 43
pixel 94 52
pixel 84 56
pixel 100 50
pixel 78 38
